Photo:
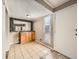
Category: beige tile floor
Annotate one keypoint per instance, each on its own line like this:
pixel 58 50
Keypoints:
pixel 29 51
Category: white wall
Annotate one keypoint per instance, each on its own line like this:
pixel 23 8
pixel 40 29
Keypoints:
pixel 7 36
pixel 64 25
pixel 13 36
pixel 38 27
pixel 65 39
pixel 4 32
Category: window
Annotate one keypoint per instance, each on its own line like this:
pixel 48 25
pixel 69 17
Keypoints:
pixel 47 29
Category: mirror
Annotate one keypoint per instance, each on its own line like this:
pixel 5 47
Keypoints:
pixel 17 25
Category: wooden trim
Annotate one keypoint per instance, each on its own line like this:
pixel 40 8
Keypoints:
pixel 24 31
pixel 45 44
pixel 43 3
pixel 71 2
pixel 32 26
pixel 49 47
pixel 20 19
pixel 60 54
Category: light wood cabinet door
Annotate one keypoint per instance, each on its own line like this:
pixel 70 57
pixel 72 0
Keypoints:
pixel 27 37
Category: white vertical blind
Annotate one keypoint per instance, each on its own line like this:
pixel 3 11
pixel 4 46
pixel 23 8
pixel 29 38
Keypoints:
pixel 47 29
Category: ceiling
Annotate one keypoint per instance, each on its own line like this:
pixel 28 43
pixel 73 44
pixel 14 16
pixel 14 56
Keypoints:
pixel 20 8
pixel 55 3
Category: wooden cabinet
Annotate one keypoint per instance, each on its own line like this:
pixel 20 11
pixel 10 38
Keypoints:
pixel 27 37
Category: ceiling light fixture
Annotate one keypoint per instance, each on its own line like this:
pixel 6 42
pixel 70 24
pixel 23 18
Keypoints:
pixel 28 15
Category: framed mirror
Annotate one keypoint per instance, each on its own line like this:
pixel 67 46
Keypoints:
pixel 20 25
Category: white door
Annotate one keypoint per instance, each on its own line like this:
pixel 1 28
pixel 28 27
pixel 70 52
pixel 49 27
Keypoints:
pixel 65 40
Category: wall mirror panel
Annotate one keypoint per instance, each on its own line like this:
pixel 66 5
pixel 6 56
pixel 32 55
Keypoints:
pixel 17 25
